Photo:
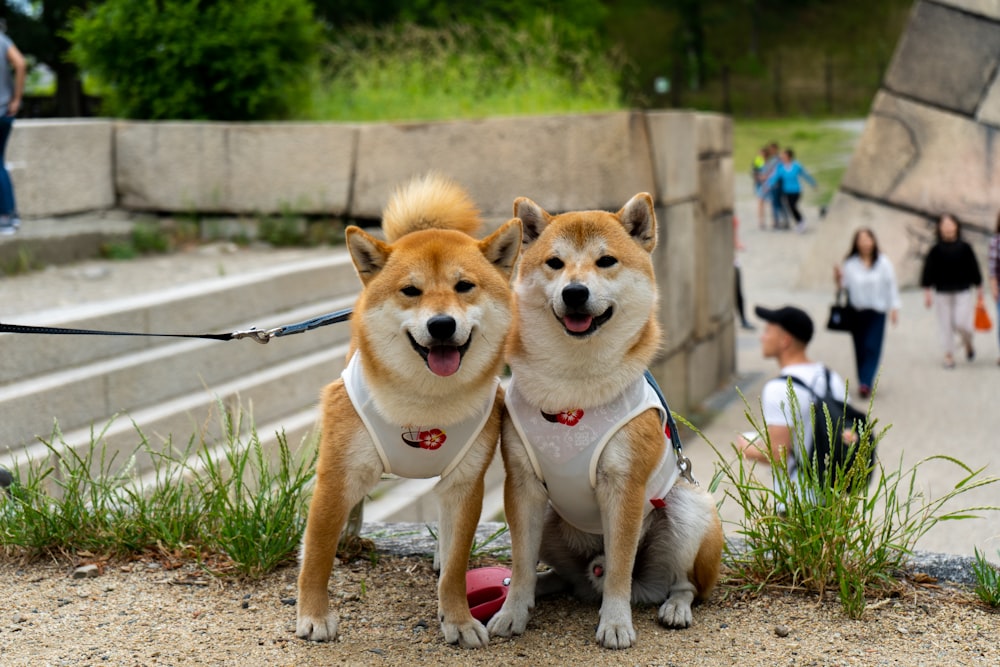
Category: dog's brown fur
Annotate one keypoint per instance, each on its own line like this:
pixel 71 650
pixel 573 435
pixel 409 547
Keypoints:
pixel 429 266
pixel 569 356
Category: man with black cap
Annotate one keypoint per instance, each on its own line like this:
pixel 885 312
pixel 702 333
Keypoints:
pixel 785 337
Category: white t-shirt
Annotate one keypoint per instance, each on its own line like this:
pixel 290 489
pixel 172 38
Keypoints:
pixel 777 404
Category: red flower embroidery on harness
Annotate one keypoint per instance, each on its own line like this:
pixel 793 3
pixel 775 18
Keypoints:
pixel 429 439
pixel 432 439
pixel 570 417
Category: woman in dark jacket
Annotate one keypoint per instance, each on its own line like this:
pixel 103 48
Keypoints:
pixel 950 270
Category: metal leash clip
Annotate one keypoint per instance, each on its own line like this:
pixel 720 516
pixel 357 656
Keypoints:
pixel 255 334
pixel 684 464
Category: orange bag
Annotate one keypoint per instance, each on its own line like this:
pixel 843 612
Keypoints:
pixel 982 321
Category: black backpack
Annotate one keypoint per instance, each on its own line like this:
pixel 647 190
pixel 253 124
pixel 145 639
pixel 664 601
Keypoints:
pixel 834 455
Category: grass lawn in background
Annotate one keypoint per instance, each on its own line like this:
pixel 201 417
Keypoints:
pixel 822 146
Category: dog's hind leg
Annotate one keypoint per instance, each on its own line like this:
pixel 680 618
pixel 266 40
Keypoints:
pixel 697 538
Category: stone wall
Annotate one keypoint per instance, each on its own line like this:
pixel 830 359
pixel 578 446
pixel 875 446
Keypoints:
pixel 930 144
pixel 62 166
pixel 596 161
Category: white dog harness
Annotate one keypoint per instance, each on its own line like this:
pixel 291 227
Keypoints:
pixel 411 451
pixel 564 450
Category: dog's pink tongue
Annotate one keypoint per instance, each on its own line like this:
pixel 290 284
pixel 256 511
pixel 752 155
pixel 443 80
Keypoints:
pixel 577 323
pixel 444 360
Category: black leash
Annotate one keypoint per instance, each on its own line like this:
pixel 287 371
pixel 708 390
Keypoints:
pixel 259 335
pixel 683 462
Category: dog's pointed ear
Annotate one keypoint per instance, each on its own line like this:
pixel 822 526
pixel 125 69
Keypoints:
pixel 503 246
pixel 639 220
pixel 368 253
pixel 533 218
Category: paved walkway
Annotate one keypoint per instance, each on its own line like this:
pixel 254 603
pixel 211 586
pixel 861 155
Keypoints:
pixel 932 411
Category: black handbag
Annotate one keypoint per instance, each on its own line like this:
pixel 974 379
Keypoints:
pixel 842 314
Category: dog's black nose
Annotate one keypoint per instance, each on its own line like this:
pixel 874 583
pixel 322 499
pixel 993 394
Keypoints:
pixel 575 295
pixel 441 327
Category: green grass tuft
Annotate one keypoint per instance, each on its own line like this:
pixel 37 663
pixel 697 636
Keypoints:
pixel 834 534
pixel 232 498
pixel 987 577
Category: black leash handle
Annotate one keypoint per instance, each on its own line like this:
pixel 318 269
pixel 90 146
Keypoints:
pixel 262 336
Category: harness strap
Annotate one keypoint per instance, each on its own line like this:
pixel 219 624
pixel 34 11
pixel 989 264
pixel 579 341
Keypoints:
pixel 259 335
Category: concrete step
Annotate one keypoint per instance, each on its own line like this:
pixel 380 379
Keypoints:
pixel 216 306
pixel 267 396
pixel 96 391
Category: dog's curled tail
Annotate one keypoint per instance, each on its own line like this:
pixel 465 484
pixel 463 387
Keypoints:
pixel 431 201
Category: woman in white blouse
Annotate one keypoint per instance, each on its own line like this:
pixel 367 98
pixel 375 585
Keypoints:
pixel 870 281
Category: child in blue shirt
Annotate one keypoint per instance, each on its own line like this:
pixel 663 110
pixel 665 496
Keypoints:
pixel 786 178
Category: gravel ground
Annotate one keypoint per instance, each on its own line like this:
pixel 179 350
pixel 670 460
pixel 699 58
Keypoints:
pixel 150 612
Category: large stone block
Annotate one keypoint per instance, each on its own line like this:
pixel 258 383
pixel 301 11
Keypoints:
pixel 946 57
pixel 235 168
pixel 715 185
pixel 671 372
pixel 561 162
pixel 923 159
pixel 903 237
pixel 706 370
pixel 714 133
pixel 676 273
pixel 989 110
pixel 988 8
pixel 673 143
pixel 61 166
pixel 714 291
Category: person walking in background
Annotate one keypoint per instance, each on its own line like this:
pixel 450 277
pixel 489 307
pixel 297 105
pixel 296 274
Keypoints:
pixel 870 281
pixel 994 271
pixel 772 192
pixel 757 175
pixel 739 247
pixel 787 177
pixel 11 91
pixel 950 270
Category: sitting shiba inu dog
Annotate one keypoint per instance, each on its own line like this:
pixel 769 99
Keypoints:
pixel 420 396
pixel 584 431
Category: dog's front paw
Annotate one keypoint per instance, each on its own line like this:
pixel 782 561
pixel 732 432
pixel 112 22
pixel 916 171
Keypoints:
pixel 508 621
pixel 675 613
pixel 616 635
pixel 317 629
pixel 615 629
pixel 469 634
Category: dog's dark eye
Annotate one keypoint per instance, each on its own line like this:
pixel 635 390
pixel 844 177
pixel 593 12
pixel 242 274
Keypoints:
pixel 554 263
pixel 463 286
pixel 410 290
pixel 606 261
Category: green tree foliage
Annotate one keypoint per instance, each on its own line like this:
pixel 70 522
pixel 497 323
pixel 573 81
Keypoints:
pixel 586 14
pixel 198 59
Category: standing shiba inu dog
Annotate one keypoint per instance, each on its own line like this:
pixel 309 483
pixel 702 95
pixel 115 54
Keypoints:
pixel 585 432
pixel 420 396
